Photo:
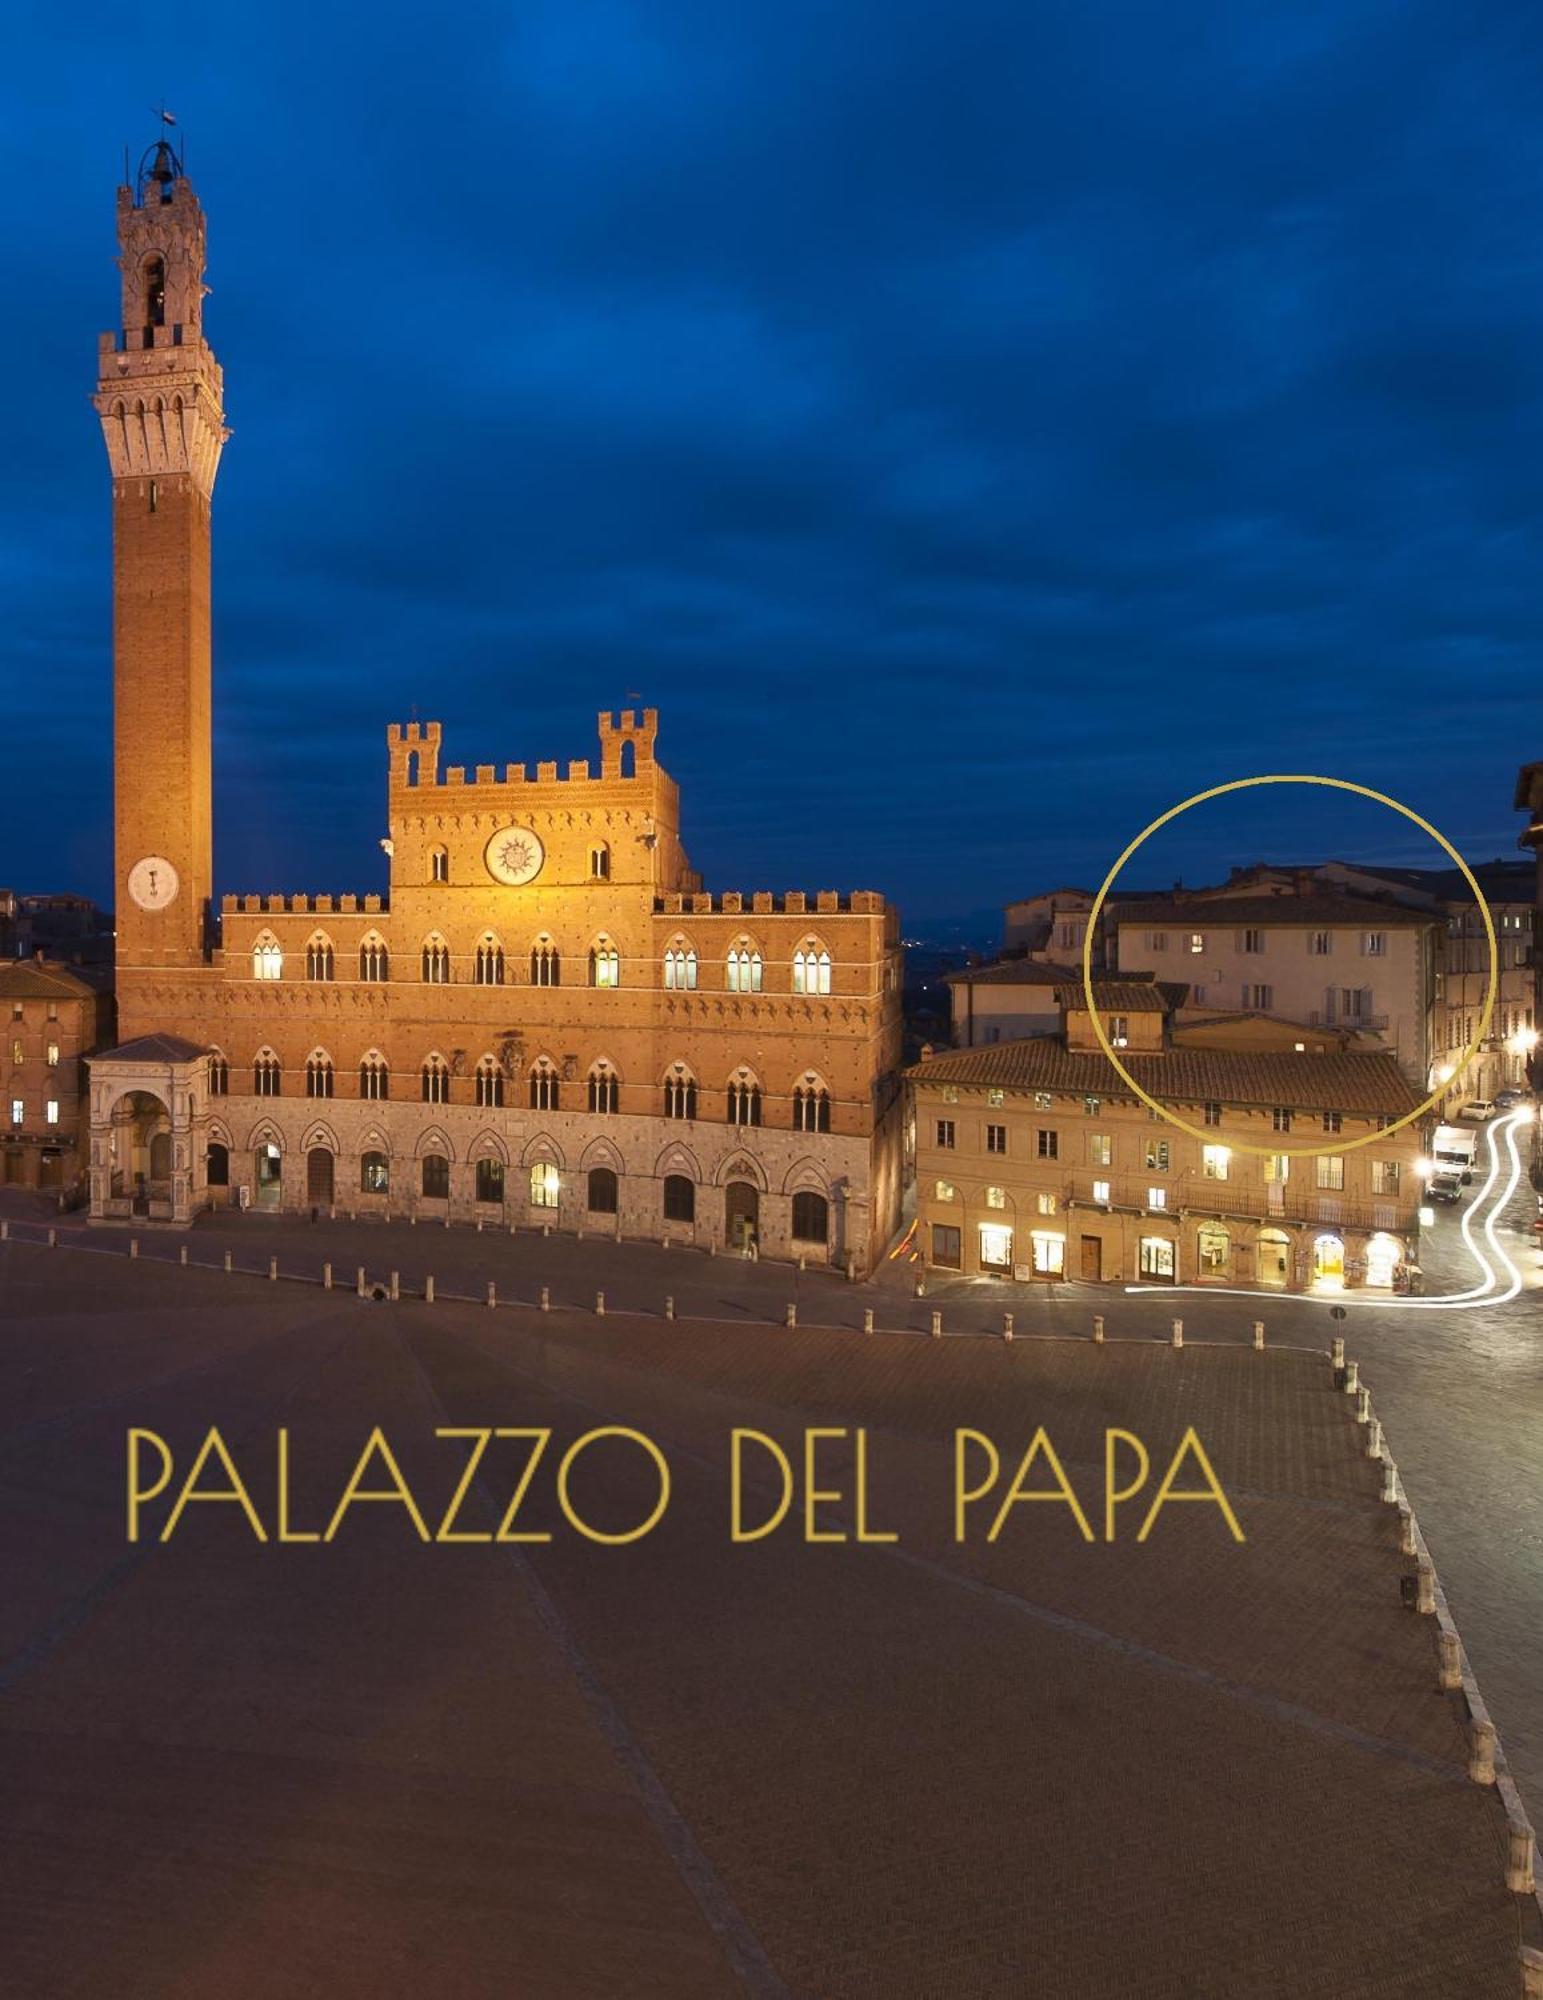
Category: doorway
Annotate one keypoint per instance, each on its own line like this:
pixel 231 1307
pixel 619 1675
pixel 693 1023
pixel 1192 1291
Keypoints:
pixel 1329 1261
pixel 742 1214
pixel 1093 1258
pixel 1157 1259
pixel 269 1171
pixel 1274 1256
pixel 319 1177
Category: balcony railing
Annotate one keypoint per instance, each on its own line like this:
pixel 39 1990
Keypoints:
pixel 1198 1194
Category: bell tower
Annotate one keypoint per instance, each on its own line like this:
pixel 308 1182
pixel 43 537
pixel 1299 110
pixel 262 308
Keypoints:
pixel 159 398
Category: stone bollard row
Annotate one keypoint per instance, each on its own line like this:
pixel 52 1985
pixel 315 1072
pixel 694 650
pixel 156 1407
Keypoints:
pixel 1389 1483
pixel 133 1246
pixel 1337 1352
pixel 1521 1865
pixel 326 1277
pixel 1532 1972
pixel 1405 1532
pixel 600 1305
pixel 1449 1671
pixel 1481 1754
pixel 1352 1378
pixel 273 1269
pixel 1374 1439
pixel 396 1284
pixel 1425 1590
pixel 492 1293
pixel 228 1263
pixel 182 1256
pixel 1363 1406
pixel 359 1284
pixel 53 1239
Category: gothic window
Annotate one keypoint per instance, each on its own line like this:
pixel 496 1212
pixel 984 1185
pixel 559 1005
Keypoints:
pixel 744 1099
pixel 544 1088
pixel 439 865
pixel 601 1198
pixel 217 1165
pixel 680 968
pixel 318 958
pixel 604 964
pixel 811 1106
pixel 600 862
pixel 545 1186
pixel 374 963
pixel 266 1075
pixel 155 292
pixel 490 1180
pixel 680 1093
pixel 318 1074
pixel 545 963
pixel 219 1075
pixel 436 962
pixel 436 1177
pixel 811 1218
pixel 374 1076
pixel 744 967
pixel 267 958
pixel 436 1080
pixel 604 1088
pixel 811 968
pixel 490 1084
pixel 374 1174
pixel 679 1198
pixel 490 962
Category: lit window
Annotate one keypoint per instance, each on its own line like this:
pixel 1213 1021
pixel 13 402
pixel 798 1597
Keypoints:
pixel 1157 1155
pixel 680 969
pixel 1277 1167
pixel 996 1099
pixel 1214 1249
pixel 1042 1099
pixel 949 1094
pixel 267 958
pixel 1100 1149
pixel 51 1111
pixel 18 1051
pixel 605 965
pixel 544 1186
pixel 1101 1191
pixel 943 1190
pixel 18 1110
pixel 1045 1204
pixel 1157 1197
pixel 1119 1031
pixel 52 1055
pixel 996 1197
pixel 1197 942
pixel 1385 1176
pixel 374 1174
pixel 1049 1254
pixel 811 970
pixel 1331 1170
pixel 1215 1161
pixel 1091 1106
pixel 744 969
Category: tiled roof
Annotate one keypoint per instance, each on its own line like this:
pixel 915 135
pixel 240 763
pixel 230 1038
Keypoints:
pixel 1127 996
pixel 29 979
pixel 1012 972
pixel 1262 1077
pixel 1306 911
pixel 152 1049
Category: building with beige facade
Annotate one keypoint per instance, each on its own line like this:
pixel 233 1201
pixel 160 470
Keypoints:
pixel 546 1019
pixel 1036 1161
pixel 53 1019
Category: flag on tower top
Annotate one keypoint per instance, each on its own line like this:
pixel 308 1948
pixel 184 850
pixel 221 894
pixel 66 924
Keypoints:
pixel 167 117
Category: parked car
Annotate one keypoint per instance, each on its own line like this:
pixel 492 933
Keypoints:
pixel 1478 1109
pixel 1445 1186
pixel 1506 1099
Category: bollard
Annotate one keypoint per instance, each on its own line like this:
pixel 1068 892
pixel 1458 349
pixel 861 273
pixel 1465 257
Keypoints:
pixel 273 1268
pixel 867 1319
pixel 937 1326
pixel 53 1239
pixel 669 1305
pixel 1007 1326
pixel 1405 1532
pixel 479 1225
pixel 546 1229
pixel 1389 1483
pixel 801 1264
pixel 712 1246
pixel 359 1284
pixel 227 1260
pixel 1363 1406
pixel 1425 1597
pixel 326 1277
pixel 5 1232
pixel 546 1298
pixel 1259 1336
pixel 1520 1875
pixel 1481 1761
pixel 133 1246
pixel 428 1291
pixel 1449 1672
pixel 1374 1439
pixel 600 1305
pixel 1532 1973
pixel 581 1232
pixel 1178 1333
pixel 921 1288
pixel 664 1243
pixel 851 1268
pixel 182 1256
pixel 1098 1328
pixel 1338 1354
pixel 791 1318
pixel 396 1284
pixel 1352 1378
pixel 492 1293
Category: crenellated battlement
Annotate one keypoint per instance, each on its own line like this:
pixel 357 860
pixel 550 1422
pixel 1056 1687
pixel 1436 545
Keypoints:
pixel 626 751
pixel 303 906
pixel 766 902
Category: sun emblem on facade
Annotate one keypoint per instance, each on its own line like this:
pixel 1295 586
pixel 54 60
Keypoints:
pixel 514 856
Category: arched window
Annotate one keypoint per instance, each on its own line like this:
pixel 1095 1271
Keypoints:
pixel 811 968
pixel 217 1166
pixel 439 864
pixel 545 1186
pixel 744 1099
pixel 680 1093
pixel 490 961
pixel 604 1089
pixel 490 1180
pixel 266 1075
pixel 318 1074
pixel 744 967
pixel 436 961
pixel 267 958
pixel 490 1084
pixel 374 1076
pixel 811 1106
pixel 219 1075
pixel 545 963
pixel 374 1174
pixel 680 967
pixel 544 1091
pixel 436 1177
pixel 602 1191
pixel 155 292
pixel 604 964
pixel 811 1218
pixel 436 1080
pixel 679 1199
pixel 318 958
pixel 600 862
pixel 374 963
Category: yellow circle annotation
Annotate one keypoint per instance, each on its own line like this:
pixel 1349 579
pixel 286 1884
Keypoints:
pixel 1338 1145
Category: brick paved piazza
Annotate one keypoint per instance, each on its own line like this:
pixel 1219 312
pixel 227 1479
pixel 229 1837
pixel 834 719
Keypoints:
pixel 683 1767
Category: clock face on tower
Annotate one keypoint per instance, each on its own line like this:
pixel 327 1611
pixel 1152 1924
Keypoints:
pixel 153 882
pixel 514 856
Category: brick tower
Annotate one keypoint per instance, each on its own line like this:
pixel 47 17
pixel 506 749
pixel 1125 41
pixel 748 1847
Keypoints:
pixel 158 396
